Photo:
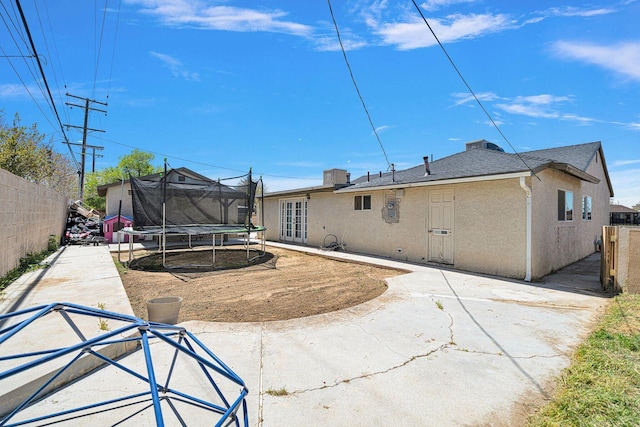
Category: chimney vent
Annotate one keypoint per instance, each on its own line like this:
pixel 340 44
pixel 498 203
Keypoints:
pixel 427 170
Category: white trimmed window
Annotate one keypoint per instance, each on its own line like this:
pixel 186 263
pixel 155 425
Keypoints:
pixel 362 203
pixel 565 205
pixel 586 208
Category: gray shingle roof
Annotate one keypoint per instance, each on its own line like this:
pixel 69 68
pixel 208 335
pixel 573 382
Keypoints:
pixel 483 162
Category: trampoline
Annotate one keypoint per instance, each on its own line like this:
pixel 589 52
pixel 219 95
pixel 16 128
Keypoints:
pixel 175 204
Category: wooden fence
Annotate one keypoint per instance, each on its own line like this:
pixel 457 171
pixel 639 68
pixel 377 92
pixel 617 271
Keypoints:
pixel 609 257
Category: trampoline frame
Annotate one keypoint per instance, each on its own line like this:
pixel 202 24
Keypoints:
pixel 196 230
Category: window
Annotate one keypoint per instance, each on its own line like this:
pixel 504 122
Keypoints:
pixel 586 208
pixel 565 205
pixel 362 203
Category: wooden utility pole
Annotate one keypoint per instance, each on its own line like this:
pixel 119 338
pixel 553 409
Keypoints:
pixel 85 129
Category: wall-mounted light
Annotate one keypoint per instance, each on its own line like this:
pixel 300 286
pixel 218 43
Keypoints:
pixel 308 196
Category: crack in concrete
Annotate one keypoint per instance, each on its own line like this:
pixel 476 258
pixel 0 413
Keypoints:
pixel 442 347
pixel 372 374
pixel 501 354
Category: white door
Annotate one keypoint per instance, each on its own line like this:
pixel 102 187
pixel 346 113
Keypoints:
pixel 440 237
pixel 293 220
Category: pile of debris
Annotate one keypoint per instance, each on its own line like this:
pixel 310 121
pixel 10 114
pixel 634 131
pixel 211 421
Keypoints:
pixel 84 225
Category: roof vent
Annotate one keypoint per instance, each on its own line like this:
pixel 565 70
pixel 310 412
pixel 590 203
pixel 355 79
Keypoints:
pixel 427 170
pixel 335 177
pixel 483 144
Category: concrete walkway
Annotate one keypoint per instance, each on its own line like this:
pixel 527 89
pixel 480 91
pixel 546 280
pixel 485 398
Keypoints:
pixel 439 348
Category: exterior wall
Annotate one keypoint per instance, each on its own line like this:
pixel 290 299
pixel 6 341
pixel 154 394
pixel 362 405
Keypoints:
pixel 488 236
pixel 560 243
pixel 29 214
pixel 628 262
pixel 113 200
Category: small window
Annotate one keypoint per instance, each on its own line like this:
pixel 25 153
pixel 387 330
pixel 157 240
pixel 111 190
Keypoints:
pixel 565 205
pixel 586 208
pixel 362 203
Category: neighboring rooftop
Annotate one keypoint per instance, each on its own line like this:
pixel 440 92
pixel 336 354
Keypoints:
pixel 621 209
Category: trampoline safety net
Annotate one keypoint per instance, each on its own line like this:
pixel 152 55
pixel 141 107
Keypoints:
pixel 191 201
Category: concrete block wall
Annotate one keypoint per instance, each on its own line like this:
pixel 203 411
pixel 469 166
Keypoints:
pixel 628 265
pixel 29 214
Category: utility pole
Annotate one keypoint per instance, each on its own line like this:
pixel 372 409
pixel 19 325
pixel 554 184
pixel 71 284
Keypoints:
pixel 85 128
pixel 93 153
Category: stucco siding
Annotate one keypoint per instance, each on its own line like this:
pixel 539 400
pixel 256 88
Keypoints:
pixel 490 228
pixel 365 230
pixel 559 243
pixel 113 200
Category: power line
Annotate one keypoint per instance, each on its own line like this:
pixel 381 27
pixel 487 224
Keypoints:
pixel 200 163
pixel 495 125
pixel 44 77
pixel 353 79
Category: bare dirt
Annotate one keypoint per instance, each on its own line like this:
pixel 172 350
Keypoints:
pixel 281 285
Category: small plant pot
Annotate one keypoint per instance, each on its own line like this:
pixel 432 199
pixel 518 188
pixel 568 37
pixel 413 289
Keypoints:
pixel 164 310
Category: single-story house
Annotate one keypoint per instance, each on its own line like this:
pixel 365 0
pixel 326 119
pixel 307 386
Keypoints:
pixel 482 210
pixel 622 215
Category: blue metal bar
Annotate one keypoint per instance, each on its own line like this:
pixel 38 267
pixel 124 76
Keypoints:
pixel 24 311
pixel 245 413
pixel 119 366
pixel 233 407
pixel 79 409
pixel 228 374
pixel 208 375
pixel 214 357
pixel 72 324
pixel 173 364
pixel 153 386
pixel 64 351
pixel 203 403
pixel 112 314
pixel 37 392
pixel 23 324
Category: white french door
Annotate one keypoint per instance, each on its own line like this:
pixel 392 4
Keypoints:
pixel 293 220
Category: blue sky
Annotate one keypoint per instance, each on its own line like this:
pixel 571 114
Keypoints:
pixel 221 86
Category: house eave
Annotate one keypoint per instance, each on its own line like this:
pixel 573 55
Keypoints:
pixel 395 186
pixel 303 191
pixel 572 170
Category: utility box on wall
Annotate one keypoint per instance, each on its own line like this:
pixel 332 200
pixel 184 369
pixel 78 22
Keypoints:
pixel 391 209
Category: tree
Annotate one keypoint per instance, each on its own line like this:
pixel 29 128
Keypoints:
pixel 137 163
pixel 23 152
pixel 636 206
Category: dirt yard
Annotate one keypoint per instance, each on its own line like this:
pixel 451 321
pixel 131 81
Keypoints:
pixel 281 285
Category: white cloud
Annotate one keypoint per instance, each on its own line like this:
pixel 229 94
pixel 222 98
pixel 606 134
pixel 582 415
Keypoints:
pixel 415 34
pixel 465 97
pixel 622 58
pixel 16 91
pixel 581 12
pixel 199 14
pixel 625 162
pixel 542 106
pixel 432 5
pixel 176 67
pixel 625 186
pixel 331 43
